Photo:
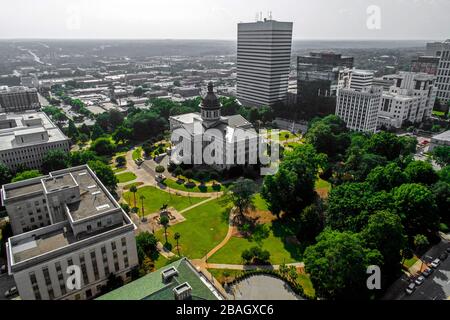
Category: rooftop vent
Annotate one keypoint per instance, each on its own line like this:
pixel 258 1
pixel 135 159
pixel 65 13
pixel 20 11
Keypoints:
pixel 168 274
pixel 92 187
pixel 95 193
pixel 183 292
pixel 105 206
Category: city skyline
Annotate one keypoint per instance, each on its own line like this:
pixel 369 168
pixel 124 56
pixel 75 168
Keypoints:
pixel 137 19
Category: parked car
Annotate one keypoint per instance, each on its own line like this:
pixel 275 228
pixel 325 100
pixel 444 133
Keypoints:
pixel 427 272
pixel 2 268
pixel 410 289
pixel 448 250
pixel 443 256
pixel 435 263
pixel 11 292
pixel 419 280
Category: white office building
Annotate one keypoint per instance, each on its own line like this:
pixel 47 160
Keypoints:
pixel 360 79
pixel 359 109
pixel 442 51
pixel 410 98
pixel 263 62
pixel 67 218
pixel 17 99
pixel 25 139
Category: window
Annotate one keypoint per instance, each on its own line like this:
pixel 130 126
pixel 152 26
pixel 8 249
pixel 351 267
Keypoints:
pixel 34 284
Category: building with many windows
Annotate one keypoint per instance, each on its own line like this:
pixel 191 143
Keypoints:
pixel 359 109
pixel 319 76
pixel 441 50
pixel 17 99
pixel 263 62
pixel 25 139
pixel 66 219
pixel 410 99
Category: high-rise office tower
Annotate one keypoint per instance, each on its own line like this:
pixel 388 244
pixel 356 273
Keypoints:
pixel 442 51
pixel 361 79
pixel 263 62
pixel 319 76
pixel 17 99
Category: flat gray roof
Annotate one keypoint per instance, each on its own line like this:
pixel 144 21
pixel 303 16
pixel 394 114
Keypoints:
pixel 93 199
pixel 24 190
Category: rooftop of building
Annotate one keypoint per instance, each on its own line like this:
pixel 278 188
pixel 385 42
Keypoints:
pixel 444 136
pixel 16 89
pixel 152 286
pixel 28 123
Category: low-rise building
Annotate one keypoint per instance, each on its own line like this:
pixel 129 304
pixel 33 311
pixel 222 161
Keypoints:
pixel 25 139
pixel 442 139
pixel 66 220
pixel 179 280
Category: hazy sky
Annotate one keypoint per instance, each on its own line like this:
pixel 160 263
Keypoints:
pixel 217 19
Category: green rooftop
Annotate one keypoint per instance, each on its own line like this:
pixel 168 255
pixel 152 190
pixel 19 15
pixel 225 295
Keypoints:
pixel 152 287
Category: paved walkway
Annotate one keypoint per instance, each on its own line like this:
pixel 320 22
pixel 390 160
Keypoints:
pixel 243 267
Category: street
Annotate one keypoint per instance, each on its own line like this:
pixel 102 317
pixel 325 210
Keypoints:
pixel 6 282
pixel 435 287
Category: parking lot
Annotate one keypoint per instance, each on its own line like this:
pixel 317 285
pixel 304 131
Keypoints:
pixel 435 287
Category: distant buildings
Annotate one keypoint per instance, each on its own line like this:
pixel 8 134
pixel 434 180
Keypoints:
pixel 359 109
pixel 25 139
pixel 405 97
pixel 319 76
pixel 441 50
pixel 410 99
pixel 263 62
pixel 17 99
pixel 425 64
pixel 65 219
pixel 179 280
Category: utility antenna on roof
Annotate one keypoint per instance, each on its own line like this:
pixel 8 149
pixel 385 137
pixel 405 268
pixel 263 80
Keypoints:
pixel 270 15
pixel 257 17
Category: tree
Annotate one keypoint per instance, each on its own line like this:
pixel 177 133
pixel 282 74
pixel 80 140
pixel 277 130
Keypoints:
pixel 421 243
pixel 134 190
pixel 147 242
pixel 292 188
pixel 72 131
pixel 177 237
pixel 241 194
pixel 122 134
pixel 54 160
pixel 351 204
pixel 138 92
pixel 311 223
pixel 142 197
pixel 390 146
pixel 421 172
pixel 104 173
pixel 84 138
pixel 442 155
pixel 386 178
pixel 78 158
pixel 121 161
pixel 416 206
pixel 25 175
pixel 116 119
pixel 5 174
pixel 441 192
pixel 444 174
pixel 159 169
pixel 164 221
pixel 338 263
pixel 385 233
pixel 103 146
pixel 97 132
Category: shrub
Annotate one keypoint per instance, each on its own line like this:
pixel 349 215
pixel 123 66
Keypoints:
pixel 159 169
pixel 121 161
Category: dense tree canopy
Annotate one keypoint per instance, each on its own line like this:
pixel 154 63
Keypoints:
pixel 24 175
pixel 338 263
pixel 55 160
pixel 104 173
pixel 386 178
pixel 421 172
pixel 442 155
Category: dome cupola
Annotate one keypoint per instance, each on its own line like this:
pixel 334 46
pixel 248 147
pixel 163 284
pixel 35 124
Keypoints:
pixel 210 106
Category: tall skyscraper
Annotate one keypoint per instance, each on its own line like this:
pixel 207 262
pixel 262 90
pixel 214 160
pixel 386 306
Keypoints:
pixel 442 51
pixel 263 62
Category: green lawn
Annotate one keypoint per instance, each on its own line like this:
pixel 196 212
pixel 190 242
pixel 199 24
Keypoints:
pixel 182 187
pixel 305 281
pixel 280 250
pixel 128 186
pixel 118 170
pixel 126 177
pixel 205 227
pixel 137 153
pixel 155 199
pixel 410 262
pixel 260 203
pixel 283 134
pixel 438 113
pixel 322 184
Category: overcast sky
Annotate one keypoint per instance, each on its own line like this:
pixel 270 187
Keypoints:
pixel 217 19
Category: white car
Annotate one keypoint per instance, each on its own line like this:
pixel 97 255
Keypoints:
pixel 410 289
pixel 419 280
pixel 11 292
pixel 435 263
